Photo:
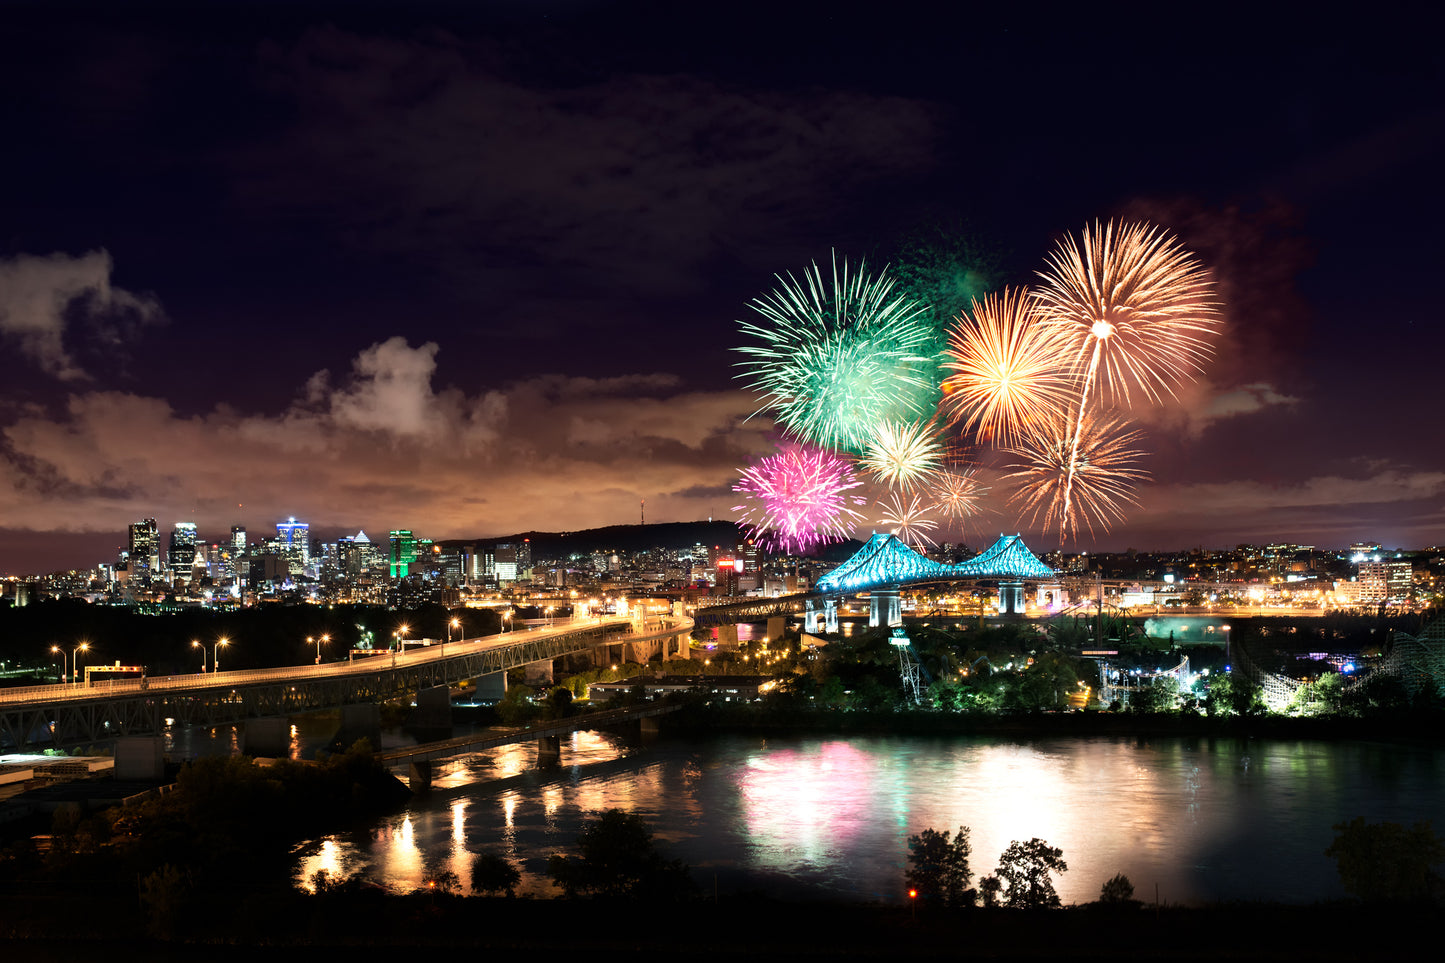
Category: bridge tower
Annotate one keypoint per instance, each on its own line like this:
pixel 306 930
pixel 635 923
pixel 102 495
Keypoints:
pixel 1011 598
pixel 812 618
pixel 830 615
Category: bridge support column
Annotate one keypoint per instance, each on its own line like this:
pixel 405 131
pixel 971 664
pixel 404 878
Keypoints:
pixel 727 636
pixel 549 750
pixel 539 673
pixel 812 619
pixel 1011 598
pixel 776 625
pixel 884 608
pixel 650 726
pixel 418 776
pixel 492 687
pixel 361 721
pixel 433 708
pixel 267 737
pixel 830 615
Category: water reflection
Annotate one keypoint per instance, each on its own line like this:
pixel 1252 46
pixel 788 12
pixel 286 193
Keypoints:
pixel 832 816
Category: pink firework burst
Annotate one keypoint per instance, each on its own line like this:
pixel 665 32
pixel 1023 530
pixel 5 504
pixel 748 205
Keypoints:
pixel 798 499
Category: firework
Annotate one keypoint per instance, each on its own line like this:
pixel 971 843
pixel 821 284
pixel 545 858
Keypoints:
pixel 1132 307
pixel 1008 369
pixel 903 456
pixel 1065 479
pixel 910 522
pixel 797 499
pixel 956 493
pixel 838 355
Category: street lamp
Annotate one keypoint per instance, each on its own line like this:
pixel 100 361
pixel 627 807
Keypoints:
pixel 215 653
pixel 398 640
pixel 454 623
pixel 74 663
pixel 318 640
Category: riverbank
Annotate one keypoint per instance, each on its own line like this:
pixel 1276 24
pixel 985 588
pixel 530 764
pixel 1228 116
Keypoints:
pixel 1423 729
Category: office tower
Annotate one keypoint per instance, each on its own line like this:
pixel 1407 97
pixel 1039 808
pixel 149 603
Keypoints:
pixel 145 548
pixel 403 552
pixel 182 555
pixel 293 542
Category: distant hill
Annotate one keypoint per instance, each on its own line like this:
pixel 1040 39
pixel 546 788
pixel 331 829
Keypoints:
pixel 617 538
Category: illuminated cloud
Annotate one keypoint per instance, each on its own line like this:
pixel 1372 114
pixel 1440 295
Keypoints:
pixel 384 449
pixel 43 296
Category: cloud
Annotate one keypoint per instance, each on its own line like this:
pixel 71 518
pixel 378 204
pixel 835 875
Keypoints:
pixel 382 447
pixel 439 152
pixel 42 299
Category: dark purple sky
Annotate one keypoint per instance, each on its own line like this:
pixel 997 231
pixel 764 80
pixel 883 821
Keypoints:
pixel 477 272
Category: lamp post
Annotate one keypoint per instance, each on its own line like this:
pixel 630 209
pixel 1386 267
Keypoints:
pixel 74 661
pixel 454 623
pixel 398 639
pixel 215 653
pixel 318 640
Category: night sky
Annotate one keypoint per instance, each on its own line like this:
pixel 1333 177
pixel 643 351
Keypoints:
pixel 477 272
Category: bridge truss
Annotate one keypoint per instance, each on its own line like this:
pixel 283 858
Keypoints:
pixel 68 716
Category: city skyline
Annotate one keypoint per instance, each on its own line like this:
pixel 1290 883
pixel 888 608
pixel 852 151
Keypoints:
pixel 481 272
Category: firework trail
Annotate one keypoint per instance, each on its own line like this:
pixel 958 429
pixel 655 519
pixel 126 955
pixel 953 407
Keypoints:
pixel 1133 309
pixel 1066 476
pixel 903 456
pixel 838 355
pixel 910 522
pixel 797 499
pixel 1006 372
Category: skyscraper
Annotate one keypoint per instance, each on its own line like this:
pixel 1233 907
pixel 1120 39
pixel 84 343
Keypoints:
pixel 145 549
pixel 403 552
pixel 293 541
pixel 182 555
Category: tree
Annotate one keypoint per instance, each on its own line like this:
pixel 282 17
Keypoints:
pixel 616 859
pixel 493 874
pixel 1024 869
pixel 1117 890
pixel 939 867
pixel 1234 695
pixel 1381 862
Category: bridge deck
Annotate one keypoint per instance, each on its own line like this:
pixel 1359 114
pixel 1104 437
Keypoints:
pixel 491 740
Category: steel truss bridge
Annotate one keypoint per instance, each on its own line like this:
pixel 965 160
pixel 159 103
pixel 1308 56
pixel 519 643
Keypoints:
pixel 51 716
pixel 886 563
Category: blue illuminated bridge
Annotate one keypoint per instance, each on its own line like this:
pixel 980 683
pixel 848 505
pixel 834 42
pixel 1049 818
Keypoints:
pixel 884 561
pixel 882 566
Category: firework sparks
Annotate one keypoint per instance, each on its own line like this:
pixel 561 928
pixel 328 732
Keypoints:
pixel 910 521
pixel 1065 480
pixel 1008 369
pixel 797 499
pixel 903 456
pixel 956 494
pixel 1133 308
pixel 838 356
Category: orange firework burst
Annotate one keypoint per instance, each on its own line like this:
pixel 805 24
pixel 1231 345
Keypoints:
pixel 1132 307
pixel 910 521
pixel 903 456
pixel 1067 478
pixel 1010 372
pixel 956 493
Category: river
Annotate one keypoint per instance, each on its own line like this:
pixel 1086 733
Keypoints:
pixel 1195 820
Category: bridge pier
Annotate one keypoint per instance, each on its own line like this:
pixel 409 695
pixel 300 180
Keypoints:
pixel 549 750
pixel 727 636
pixel 812 618
pixel 433 709
pixel 418 776
pixel 830 615
pixel 1011 598
pixel 360 721
pixel 776 626
pixel 140 758
pixel 884 608
pixel 492 687
pixel 539 673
